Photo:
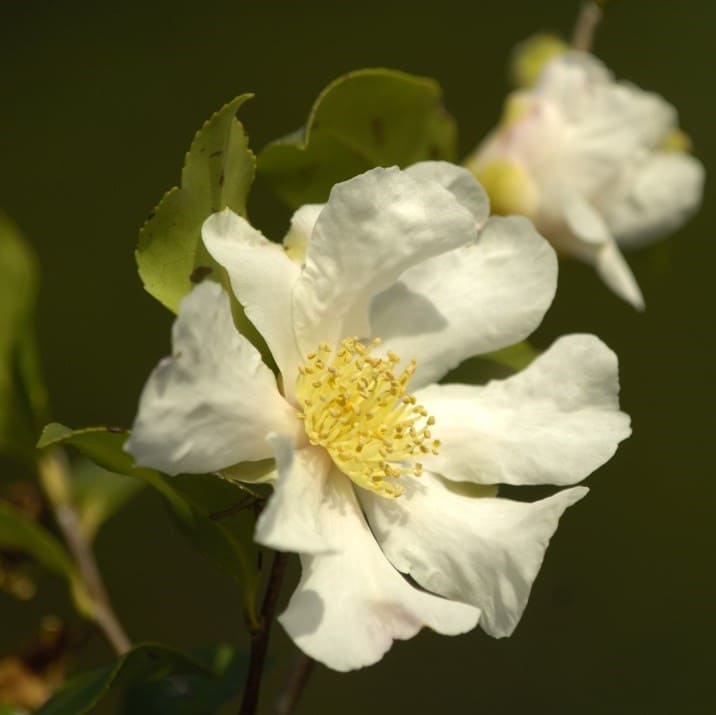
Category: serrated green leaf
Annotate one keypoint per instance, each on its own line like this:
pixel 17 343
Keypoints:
pixel 218 172
pixel 98 494
pixel 23 399
pixel 144 663
pixel 193 499
pixel 364 119
pixel 188 694
pixel 19 533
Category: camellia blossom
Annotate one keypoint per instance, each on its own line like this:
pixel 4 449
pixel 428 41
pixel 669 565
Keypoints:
pixel 380 471
pixel 596 164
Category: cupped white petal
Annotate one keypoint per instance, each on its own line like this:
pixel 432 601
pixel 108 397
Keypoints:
pixel 654 198
pixel 555 422
pixel 262 277
pixel 459 182
pixel 373 228
pixel 350 606
pixel 212 403
pixel 480 550
pixel 591 241
pixel 291 520
pixel 475 299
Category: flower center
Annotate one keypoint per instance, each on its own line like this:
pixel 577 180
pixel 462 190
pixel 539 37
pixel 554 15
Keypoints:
pixel 358 409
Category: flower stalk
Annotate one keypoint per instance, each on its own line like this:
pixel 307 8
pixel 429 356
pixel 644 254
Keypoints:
pixel 585 28
pixel 260 636
pixel 54 476
pixel 297 680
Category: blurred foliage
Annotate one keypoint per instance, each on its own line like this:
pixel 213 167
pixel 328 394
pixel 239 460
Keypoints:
pixel 214 512
pixel 19 533
pixel 23 400
pixel 173 683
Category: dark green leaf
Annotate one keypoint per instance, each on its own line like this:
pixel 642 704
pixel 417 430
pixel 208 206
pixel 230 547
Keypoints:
pixel 368 118
pixel 23 399
pixel 203 504
pixel 218 172
pixel 149 662
pixel 19 533
pixel 189 694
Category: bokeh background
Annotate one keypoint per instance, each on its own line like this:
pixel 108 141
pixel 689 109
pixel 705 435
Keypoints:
pixel 99 103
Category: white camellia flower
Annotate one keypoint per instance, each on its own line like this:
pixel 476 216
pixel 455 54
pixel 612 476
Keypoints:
pixel 396 279
pixel 596 164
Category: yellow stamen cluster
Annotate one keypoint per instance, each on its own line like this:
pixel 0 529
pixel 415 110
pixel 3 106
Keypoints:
pixel 358 409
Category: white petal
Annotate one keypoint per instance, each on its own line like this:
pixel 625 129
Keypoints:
pixel 349 607
pixel 459 182
pixel 290 520
pixel 212 403
pixel 373 228
pixel 475 299
pixel 262 278
pixel 299 234
pixel 477 550
pixel 654 199
pixel 553 423
pixel 586 222
pixel 591 241
pixel 615 272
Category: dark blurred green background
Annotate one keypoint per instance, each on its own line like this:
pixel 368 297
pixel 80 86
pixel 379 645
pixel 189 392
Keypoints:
pixel 99 103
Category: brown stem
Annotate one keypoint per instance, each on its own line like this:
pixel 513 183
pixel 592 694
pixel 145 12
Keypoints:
pixel 297 680
pixel 260 637
pixel 54 475
pixel 586 26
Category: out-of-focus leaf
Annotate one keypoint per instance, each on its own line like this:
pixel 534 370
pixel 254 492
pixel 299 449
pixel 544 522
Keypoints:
pixel 148 662
pixel 204 505
pixel 12 710
pixel 23 399
pixel 218 173
pixel 494 366
pixel 21 534
pixel 364 119
pixel 190 694
pixel 98 493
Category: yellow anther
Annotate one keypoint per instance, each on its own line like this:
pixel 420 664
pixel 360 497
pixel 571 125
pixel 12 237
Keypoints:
pixel 356 407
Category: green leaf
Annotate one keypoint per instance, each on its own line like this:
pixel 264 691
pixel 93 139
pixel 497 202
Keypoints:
pixel 145 663
pixel 98 493
pixel 218 173
pixel 23 399
pixel 189 694
pixel 19 533
pixel 202 504
pixel 364 119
